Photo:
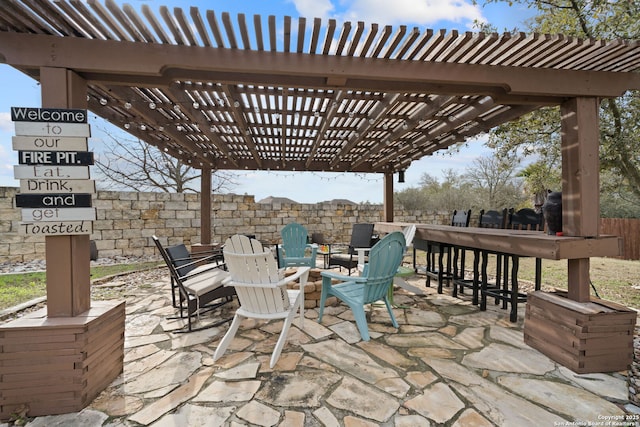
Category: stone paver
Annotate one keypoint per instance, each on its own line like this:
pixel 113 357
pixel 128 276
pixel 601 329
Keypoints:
pixel 363 400
pixel 438 403
pixel 502 357
pixel 448 364
pixel 562 398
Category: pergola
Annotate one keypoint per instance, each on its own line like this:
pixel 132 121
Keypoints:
pixel 255 93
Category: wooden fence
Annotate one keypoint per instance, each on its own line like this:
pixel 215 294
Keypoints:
pixel 628 229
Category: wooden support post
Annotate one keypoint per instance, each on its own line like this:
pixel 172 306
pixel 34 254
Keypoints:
pixel 580 184
pixel 73 349
pixel 388 197
pixel 205 206
pixel 584 334
pixel 68 260
pixel 580 167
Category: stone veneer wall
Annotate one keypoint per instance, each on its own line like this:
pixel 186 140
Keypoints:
pixel 127 220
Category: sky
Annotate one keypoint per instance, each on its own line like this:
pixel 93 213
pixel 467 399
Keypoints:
pixel 18 90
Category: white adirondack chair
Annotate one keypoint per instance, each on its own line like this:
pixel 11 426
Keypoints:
pixel 261 289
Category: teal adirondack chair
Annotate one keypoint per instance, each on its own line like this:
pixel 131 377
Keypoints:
pixel 294 250
pixel 373 285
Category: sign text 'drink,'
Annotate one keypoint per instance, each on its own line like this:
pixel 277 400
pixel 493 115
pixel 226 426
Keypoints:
pixel 63 186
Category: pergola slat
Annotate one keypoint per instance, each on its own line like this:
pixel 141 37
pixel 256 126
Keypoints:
pixel 353 101
pixel 124 22
pixel 184 26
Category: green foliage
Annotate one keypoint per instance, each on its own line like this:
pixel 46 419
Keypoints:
pixel 18 288
pixel 22 287
pixel 537 135
pixel 490 183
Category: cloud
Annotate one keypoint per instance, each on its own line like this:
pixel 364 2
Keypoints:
pixel 313 8
pixel 385 12
pixel 5 122
pixel 423 12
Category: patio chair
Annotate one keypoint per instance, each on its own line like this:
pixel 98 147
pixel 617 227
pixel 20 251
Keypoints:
pixel 295 251
pixel 453 269
pixel 373 285
pixel 488 219
pixel 361 241
pixel 509 294
pixel 198 282
pixel 409 233
pixel 262 290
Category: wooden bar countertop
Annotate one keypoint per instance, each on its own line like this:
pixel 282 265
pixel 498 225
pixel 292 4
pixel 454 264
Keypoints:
pixel 517 242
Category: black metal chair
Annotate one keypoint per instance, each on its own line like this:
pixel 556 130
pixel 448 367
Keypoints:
pixel 488 219
pixel 361 238
pixel 508 293
pixel 455 263
pixel 198 281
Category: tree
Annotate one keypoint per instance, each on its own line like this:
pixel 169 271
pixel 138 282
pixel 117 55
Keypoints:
pixel 538 133
pixel 135 165
pixel 494 183
pixel 490 183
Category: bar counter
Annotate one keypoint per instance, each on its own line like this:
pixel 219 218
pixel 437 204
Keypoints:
pixel 517 242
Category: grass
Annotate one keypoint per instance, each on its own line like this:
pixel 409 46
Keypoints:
pixel 18 288
pixel 614 279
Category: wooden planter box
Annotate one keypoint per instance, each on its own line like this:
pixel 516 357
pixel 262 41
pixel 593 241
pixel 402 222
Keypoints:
pixel 56 365
pixel 595 336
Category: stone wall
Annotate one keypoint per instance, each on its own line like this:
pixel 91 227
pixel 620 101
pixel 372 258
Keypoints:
pixel 127 220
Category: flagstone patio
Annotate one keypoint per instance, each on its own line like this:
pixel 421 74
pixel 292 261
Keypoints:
pixel 448 364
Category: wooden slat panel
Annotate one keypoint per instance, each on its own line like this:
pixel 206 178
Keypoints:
pixel 504 46
pixel 104 32
pixel 328 37
pixel 586 337
pixel 139 24
pixel 384 36
pixel 171 24
pixel 184 26
pixel 199 23
pixel 629 229
pixel 215 28
pixel 228 27
pixel 104 15
pixel 344 36
pixel 244 33
pixel 273 46
pixel 609 56
pixel 442 46
pixel 353 45
pixel 18 19
pixel 78 20
pixel 432 44
pixel 122 19
pixel 302 25
pixel 471 56
pixel 287 34
pixel 49 13
pixel 458 47
pixel 395 41
pixel 424 39
pixel 146 11
pixel 315 34
pixel 373 31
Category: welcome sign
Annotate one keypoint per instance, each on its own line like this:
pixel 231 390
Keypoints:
pixel 53 169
